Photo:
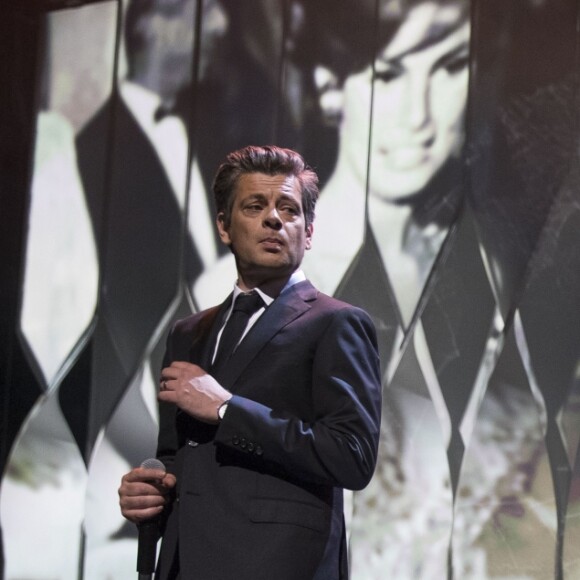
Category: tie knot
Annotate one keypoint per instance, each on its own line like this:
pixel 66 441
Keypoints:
pixel 248 303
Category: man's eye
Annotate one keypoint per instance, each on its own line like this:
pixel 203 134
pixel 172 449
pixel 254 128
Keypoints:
pixel 254 207
pixel 290 209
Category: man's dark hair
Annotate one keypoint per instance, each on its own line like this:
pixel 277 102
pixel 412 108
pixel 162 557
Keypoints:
pixel 270 160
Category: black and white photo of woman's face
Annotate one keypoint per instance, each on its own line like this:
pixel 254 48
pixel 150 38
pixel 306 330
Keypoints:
pixel 420 83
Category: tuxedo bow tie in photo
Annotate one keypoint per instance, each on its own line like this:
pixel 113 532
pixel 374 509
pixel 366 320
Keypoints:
pixel 162 112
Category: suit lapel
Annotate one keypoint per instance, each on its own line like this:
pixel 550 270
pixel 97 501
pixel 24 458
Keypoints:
pixel 285 309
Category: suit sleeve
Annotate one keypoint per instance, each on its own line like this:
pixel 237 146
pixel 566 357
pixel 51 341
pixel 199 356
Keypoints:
pixel 339 446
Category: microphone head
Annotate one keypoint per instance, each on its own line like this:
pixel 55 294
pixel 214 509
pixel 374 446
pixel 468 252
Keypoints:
pixel 153 463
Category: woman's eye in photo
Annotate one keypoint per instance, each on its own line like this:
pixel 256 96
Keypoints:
pixel 456 64
pixel 387 74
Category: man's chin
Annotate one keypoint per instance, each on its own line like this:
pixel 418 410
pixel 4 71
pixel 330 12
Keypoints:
pixel 270 268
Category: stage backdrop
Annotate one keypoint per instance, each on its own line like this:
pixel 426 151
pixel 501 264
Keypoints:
pixel 445 134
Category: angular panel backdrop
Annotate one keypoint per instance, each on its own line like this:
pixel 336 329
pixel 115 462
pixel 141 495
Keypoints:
pixel 445 134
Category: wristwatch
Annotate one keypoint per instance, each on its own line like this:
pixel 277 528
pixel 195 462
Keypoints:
pixel 222 410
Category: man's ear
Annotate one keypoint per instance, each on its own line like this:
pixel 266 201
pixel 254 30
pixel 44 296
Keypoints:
pixel 222 230
pixel 309 232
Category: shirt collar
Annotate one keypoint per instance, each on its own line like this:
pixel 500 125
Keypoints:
pixel 141 101
pixel 297 276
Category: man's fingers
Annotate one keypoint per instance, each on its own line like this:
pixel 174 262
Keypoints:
pixel 141 501
pixel 141 508
pixel 143 474
pixel 173 373
pixel 167 396
pixel 178 371
pixel 138 516
pixel 144 493
pixel 169 480
pixel 180 364
pixel 179 368
pixel 146 482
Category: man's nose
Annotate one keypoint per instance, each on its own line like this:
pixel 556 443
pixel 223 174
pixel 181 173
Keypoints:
pixel 272 219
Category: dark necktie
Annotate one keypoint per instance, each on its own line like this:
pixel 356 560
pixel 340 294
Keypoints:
pixel 244 306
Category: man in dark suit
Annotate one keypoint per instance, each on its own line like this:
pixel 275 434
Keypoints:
pixel 259 446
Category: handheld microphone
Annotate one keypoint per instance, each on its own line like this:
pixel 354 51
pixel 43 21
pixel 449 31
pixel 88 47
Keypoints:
pixel 148 535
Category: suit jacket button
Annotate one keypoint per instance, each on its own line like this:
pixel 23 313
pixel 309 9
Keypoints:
pixel 258 450
pixel 250 446
pixel 236 440
pixel 243 443
pixel 192 443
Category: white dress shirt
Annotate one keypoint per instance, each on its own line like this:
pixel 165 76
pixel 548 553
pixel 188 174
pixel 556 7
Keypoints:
pixel 297 276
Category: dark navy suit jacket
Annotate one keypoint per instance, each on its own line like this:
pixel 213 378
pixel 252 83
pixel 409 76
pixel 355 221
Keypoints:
pixel 259 497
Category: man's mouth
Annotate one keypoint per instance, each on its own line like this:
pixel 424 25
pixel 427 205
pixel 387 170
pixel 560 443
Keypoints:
pixel 272 243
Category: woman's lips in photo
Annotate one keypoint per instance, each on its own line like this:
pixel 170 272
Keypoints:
pixel 406 157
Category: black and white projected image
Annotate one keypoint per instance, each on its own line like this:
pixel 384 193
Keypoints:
pixel 44 485
pixel 398 95
pixel 445 135
pixel 157 237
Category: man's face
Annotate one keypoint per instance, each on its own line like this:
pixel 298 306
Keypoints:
pixel 214 26
pixel 267 231
pixel 420 83
pixel 172 35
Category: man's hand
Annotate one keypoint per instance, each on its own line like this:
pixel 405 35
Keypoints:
pixel 194 391
pixel 143 493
